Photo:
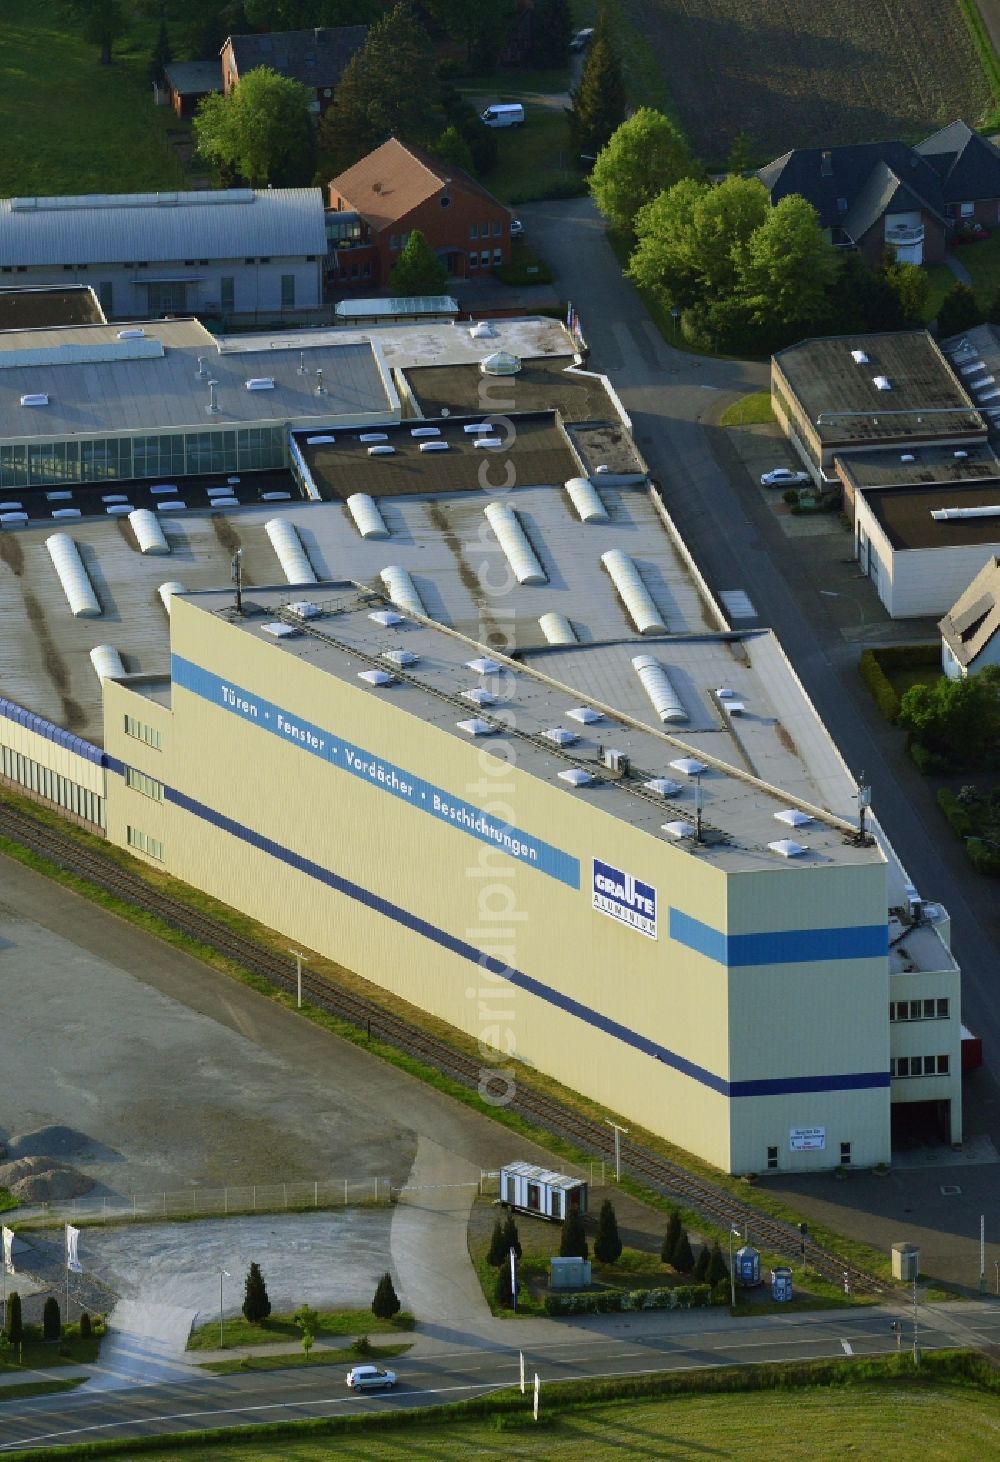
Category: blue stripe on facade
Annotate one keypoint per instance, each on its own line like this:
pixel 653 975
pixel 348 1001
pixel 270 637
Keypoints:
pixel 383 776
pixel 780 946
pixel 855 1081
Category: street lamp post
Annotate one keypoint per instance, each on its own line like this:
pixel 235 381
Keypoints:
pixel 298 976
pixel 223 1274
pixel 732 1271
pixel 833 594
pixel 618 1146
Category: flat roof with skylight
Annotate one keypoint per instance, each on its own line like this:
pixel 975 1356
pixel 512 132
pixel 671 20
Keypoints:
pixel 955 516
pixel 921 466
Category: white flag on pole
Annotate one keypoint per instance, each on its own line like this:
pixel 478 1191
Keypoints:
pixel 72 1239
pixel 538 1387
pixel 522 1372
pixel 8 1250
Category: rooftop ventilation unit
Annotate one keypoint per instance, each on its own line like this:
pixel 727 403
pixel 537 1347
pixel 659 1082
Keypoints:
pixel 690 766
pixel 561 736
pixel 168 590
pixel 634 595
pixel 279 629
pixel 907 457
pixel 514 542
pixel 586 715
pixel 61 513
pixel 107 663
pixel 402 590
pixel 292 556
pixel 482 330
pixel 35 398
pixel 174 504
pixel 387 617
pixel 162 488
pixel 400 657
pixel 15 516
pixel 584 497
pixel 576 777
pixel 662 786
pixel 679 829
pixel 434 447
pixel 660 689
pixel 478 428
pixel 260 383
pixel 377 677
pixel 374 436
pixel 478 696
pixel 11 507
pixel 792 817
pixel 881 383
pixel 214 502
pixel 786 848
pixel 304 609
pixel 945 515
pixel 425 431
pixel 476 727
pixel 136 333
pixel 148 533
pixel 367 518
pixel 617 761
pixel 557 629
pixel 119 509
pixel 483 666
pixel 381 451
pixel 859 357
pixel 491 443
pixel 323 440
pixel 73 576
pixel 114 497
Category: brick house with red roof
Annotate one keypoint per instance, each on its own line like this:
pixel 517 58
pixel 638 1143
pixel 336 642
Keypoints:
pixel 397 189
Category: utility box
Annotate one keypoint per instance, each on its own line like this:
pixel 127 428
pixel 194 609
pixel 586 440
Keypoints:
pixel 905 1262
pixel 569 1273
pixel 781 1284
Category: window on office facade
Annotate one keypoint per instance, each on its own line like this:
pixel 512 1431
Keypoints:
pixel 139 731
pixel 40 464
pixel 918 1009
pixel 58 790
pixel 152 847
pixel 140 782
pixel 900 1066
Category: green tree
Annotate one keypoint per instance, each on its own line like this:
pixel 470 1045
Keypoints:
pixel 683 1260
pixel 645 156
pixel 51 1319
pixel 387 90
pixel 101 22
pixel 672 1237
pixel 261 132
pixel 511 1237
pixel 504 1287
pixel 451 147
pixel 498 1250
pixel 993 309
pixel 959 311
pixel 304 14
pixel 865 300
pixel 256 1305
pixel 307 1320
pixel 910 285
pixel 607 1241
pixel 161 57
pixel 86 1327
pixel 956 719
pixel 700 1272
pixel 551 31
pixel 15 1323
pixel 788 269
pixel 740 158
pixel 481 26
pixel 418 270
pixel 386 1302
pixel 693 239
pixel 598 105
pixel 718 1270
pixel 573 1241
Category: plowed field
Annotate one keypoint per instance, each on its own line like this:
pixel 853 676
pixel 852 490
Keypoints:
pixel 803 73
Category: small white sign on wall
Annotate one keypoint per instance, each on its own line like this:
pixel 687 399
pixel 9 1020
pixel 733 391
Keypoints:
pixel 807 1139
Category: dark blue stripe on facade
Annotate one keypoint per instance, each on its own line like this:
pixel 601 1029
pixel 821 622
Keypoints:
pixel 852 1082
pixel 780 946
pixel 11 711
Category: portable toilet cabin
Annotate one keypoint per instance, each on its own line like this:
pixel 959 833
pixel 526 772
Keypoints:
pixel 781 1284
pixel 528 1188
pixel 747 1267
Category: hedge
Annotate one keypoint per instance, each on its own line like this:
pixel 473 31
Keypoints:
pixel 983 856
pixel 957 815
pixel 907 657
pixel 611 1301
pixel 881 688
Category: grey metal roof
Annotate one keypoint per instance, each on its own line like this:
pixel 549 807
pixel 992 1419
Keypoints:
pixel 194 78
pixel 315 57
pixel 121 228
pixel 97 386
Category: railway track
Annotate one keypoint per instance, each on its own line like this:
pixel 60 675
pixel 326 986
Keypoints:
pixel 592 1137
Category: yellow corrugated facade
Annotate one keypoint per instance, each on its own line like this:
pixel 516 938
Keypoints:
pixel 656 1029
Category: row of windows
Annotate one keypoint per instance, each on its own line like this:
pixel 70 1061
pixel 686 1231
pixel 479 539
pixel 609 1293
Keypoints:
pixel 919 1066
pixel 140 782
pixel 38 464
pixel 484 258
pixel 50 785
pixel 918 1010
pixel 366 271
pixel 845 1156
pixel 149 735
pixel 152 847
pixel 475 231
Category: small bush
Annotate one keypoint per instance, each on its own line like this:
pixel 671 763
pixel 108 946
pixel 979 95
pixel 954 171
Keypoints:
pixel 497 1253
pixel 927 761
pixel 722 1293
pixel 984 856
pixel 15 1324
pixel 256 1305
pixel 881 687
pixel 791 496
pixel 51 1319
pixel 362 1346
pixel 86 1328
pixel 908 657
pixel 386 1301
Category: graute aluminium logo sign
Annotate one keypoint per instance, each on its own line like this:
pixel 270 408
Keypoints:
pixel 624 898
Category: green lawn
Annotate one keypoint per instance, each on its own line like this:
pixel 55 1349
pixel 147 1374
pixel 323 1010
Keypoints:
pixel 237 1331
pixel 931 1423
pixel 513 84
pixel 39 1388
pixel 983 263
pixel 941 281
pixel 903 680
pixel 535 158
pixel 40 1355
pixel 70 125
pixel 752 410
pixel 344 1355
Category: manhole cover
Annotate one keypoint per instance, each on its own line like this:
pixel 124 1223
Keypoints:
pixel 949 1190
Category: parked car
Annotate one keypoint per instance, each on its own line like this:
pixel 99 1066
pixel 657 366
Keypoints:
pixel 582 39
pixel 370 1378
pixel 516 229
pixel 784 477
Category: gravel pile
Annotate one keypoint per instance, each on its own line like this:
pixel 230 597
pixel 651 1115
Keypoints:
pixel 43 1180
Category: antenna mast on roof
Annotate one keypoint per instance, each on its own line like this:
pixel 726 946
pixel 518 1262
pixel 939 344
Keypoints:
pixel 697 807
pixel 237 575
pixel 864 802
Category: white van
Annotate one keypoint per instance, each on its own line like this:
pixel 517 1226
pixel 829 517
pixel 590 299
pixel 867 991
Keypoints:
pixel 504 114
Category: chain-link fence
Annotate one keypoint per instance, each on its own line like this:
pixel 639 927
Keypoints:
pixel 198 1199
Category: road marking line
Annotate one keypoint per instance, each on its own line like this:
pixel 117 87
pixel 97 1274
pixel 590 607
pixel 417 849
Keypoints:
pixel 848 1348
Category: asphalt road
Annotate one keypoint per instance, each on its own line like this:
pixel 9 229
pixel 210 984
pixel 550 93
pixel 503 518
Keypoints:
pixel 674 399
pixel 588 1350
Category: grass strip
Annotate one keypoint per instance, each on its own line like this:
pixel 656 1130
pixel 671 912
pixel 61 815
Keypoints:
pixel 238 1331
pixel 752 410
pixel 38 1388
pixel 987 56
pixel 293 1359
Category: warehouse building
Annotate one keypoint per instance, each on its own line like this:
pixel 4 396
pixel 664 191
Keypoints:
pixel 236 253
pixel 476 729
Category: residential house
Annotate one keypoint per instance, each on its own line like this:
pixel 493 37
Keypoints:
pixel 397 189
pixel 970 631
pixel 235 253
pixel 317 58
pixel 877 195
